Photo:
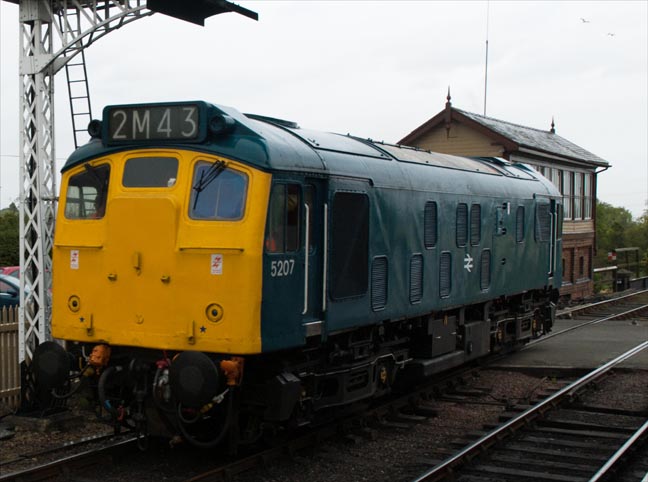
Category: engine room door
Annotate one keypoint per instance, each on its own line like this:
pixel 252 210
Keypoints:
pixel 314 246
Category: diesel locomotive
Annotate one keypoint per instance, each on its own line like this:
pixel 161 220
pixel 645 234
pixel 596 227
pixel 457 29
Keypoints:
pixel 219 275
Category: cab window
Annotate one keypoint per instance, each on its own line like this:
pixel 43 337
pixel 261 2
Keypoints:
pixel 150 172
pixel 283 219
pixel 87 192
pixel 218 193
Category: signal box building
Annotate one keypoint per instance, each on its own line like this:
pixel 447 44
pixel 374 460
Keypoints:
pixel 570 167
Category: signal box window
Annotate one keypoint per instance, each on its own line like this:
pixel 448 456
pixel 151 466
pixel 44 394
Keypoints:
pixel 150 172
pixel 87 192
pixel 218 193
pixel 349 245
pixel 283 219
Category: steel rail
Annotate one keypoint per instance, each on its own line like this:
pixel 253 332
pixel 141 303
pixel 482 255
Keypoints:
pixel 55 466
pixel 610 301
pixel 591 322
pixel 620 453
pixel 446 467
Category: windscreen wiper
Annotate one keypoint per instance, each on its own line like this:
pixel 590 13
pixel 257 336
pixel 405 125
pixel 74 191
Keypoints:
pixel 206 178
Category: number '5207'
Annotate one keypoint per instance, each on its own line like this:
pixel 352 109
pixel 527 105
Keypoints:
pixel 282 268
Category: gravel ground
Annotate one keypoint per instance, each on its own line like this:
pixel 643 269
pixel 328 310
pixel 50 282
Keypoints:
pixel 624 391
pixel 26 441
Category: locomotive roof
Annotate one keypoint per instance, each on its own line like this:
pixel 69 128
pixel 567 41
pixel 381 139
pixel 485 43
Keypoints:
pixel 273 144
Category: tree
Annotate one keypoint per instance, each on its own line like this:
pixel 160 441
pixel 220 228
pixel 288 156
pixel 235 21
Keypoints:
pixel 638 236
pixel 612 224
pixel 9 233
pixel 615 228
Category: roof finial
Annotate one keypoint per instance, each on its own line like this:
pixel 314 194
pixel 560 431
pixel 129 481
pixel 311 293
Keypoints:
pixel 553 126
pixel 448 114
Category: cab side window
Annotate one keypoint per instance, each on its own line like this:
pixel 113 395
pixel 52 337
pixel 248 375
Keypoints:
pixel 283 219
pixel 87 193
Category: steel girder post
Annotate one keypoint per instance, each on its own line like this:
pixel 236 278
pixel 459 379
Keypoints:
pixel 37 174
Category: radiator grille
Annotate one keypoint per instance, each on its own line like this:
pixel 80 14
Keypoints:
pixel 430 224
pixel 462 224
pixel 475 224
pixel 485 274
pixel 519 224
pixel 416 278
pixel 543 222
pixel 445 275
pixel 379 283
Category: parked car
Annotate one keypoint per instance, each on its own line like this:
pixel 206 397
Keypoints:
pixel 9 291
pixel 11 271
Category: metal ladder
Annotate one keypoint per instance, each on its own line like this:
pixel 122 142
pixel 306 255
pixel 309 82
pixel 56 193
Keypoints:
pixel 79 93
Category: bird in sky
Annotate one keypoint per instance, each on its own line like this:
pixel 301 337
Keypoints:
pixel 584 20
pixel 610 34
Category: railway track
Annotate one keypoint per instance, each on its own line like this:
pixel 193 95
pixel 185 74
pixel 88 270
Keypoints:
pixel 555 441
pixel 632 305
pixel 66 463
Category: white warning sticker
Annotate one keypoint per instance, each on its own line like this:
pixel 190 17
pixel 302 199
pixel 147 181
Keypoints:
pixel 74 259
pixel 217 264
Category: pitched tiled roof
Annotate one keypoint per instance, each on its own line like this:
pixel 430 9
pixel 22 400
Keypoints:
pixel 535 138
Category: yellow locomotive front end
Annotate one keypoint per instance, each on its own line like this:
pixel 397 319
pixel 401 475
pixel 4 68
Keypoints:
pixel 161 249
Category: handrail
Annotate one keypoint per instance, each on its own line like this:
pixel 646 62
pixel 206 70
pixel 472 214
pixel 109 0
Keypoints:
pixel 306 256
pixel 325 258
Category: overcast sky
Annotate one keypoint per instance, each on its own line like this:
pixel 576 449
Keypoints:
pixel 379 69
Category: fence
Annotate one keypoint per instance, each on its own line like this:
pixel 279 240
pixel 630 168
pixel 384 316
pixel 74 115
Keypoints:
pixel 605 279
pixel 9 367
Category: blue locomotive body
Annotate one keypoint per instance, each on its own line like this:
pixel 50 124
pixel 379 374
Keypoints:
pixel 401 233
